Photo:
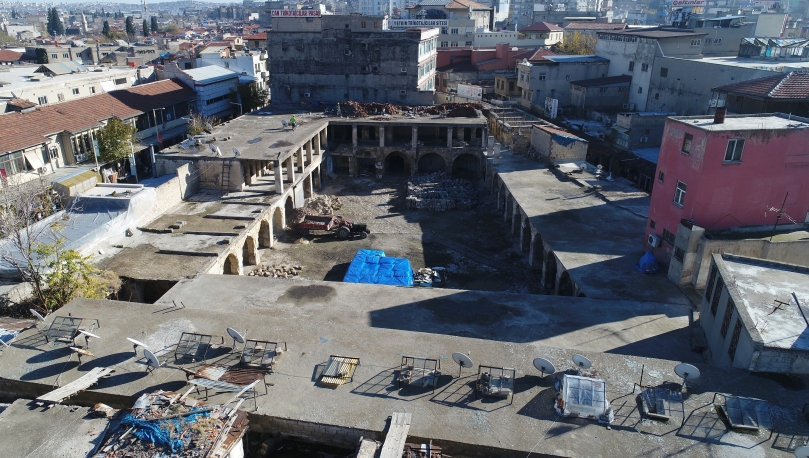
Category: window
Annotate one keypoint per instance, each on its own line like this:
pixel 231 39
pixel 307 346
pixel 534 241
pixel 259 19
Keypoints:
pixel 661 176
pixel 687 144
pixel 511 86
pixel 728 315
pixel 664 72
pixel 631 66
pixel 734 151
pixel 717 293
pixel 707 41
pixel 652 223
pixel 679 193
pixel 60 97
pixel 644 67
pixel 376 25
pixel 622 89
pixel 543 76
pixel 640 89
pixel 710 284
pixel 43 100
pixel 454 44
pixel 13 163
pixel 734 340
pixel 602 89
pixel 120 80
pixel 65 56
pixel 454 31
pixel 717 41
pixel 679 254
pixel 362 24
pixel 75 91
pixel 444 44
pixel 696 42
pixel 92 89
pixel 668 236
pixel 444 30
pixel 468 43
pixel 657 96
pixel 567 77
pixel 55 56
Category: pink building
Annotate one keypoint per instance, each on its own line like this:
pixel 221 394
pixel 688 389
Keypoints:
pixel 724 172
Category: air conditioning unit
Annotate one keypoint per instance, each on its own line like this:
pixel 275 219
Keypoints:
pixel 644 139
pixel 654 240
pixel 307 94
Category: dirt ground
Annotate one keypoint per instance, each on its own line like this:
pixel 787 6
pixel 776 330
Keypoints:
pixel 474 245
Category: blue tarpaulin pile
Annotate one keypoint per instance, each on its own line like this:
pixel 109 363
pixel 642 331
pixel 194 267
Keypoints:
pixel 647 264
pixel 373 267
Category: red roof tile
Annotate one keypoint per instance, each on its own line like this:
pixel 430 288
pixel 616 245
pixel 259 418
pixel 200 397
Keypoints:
pixel 22 130
pixel 258 36
pixel 7 55
pixel 542 27
pixel 789 86
pixel 22 104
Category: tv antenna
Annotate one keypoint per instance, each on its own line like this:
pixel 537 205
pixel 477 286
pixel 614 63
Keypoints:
pixel 581 362
pixel 544 366
pixel 686 371
pixel 462 360
pixel 780 215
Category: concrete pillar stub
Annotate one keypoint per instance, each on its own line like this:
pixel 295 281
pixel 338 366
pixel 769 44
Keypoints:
pixel 279 181
pixel 449 137
pixel 414 137
pixel 354 136
pixel 381 136
pixel 309 151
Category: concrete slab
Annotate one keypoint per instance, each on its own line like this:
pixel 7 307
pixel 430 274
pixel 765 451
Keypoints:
pixel 379 324
pixel 597 236
pixel 27 430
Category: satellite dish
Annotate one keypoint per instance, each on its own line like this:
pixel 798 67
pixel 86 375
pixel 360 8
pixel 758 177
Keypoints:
pixel 37 315
pixel 217 151
pixel 88 334
pixel 151 359
pixel 581 362
pixel 686 371
pixel 544 366
pixel 136 344
pixel 212 147
pixel 236 152
pixel 462 360
pixel 802 452
pixel 237 337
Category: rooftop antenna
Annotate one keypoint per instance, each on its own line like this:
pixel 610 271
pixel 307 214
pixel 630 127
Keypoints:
pixel 236 152
pixel 462 360
pixel 779 215
pixel 686 371
pixel 544 366
pixel 581 362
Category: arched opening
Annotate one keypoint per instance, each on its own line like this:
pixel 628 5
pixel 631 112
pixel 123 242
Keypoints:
pixel 538 252
pixel 264 236
pixel 550 272
pixel 565 285
pixel 525 242
pixel 431 163
pixel 289 209
pixel 249 252
pixel 307 187
pixel 277 221
pixel 231 266
pixel 465 166
pixel 396 165
pixel 509 208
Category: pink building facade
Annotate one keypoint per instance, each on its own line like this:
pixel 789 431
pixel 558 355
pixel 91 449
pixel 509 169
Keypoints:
pixel 726 172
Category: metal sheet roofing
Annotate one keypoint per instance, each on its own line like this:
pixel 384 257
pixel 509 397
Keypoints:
pixel 61 68
pixel 576 59
pixel 649 154
pixel 210 74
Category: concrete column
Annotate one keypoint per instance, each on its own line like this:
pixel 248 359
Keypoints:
pixel 354 136
pixel 316 140
pixel 525 226
pixel 299 153
pixel 279 181
pixel 449 137
pixel 316 177
pixel 290 170
pixel 352 166
pixel 381 136
pixel 309 185
pixel 309 151
pixel 324 141
pixel 516 220
pixel 414 137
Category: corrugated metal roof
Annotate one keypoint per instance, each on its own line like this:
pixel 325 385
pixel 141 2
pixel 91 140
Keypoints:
pixel 210 74
pixel 582 59
pixel 649 154
pixel 61 68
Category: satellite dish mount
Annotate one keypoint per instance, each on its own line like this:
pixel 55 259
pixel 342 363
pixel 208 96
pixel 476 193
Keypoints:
pixel 463 361
pixel 581 362
pixel 686 371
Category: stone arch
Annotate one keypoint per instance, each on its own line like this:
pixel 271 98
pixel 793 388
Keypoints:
pixel 465 166
pixel 431 163
pixel 566 285
pixel 231 266
pixel 277 221
pixel 249 256
pixel 537 251
pixel 264 235
pixel 549 272
pixel 289 209
pixel 508 212
pixel 397 164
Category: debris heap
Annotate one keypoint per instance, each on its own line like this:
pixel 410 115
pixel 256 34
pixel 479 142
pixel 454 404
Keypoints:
pixel 319 205
pixel 276 271
pixel 352 109
pixel 440 192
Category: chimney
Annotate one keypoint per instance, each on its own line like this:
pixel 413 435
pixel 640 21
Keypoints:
pixel 719 116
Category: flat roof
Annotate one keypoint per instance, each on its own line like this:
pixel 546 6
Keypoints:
pixel 597 237
pixel 782 65
pixel 379 324
pixel 764 121
pixel 760 283
pixel 19 77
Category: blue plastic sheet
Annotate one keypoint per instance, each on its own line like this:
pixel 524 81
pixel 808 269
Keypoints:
pixel 161 432
pixel 647 264
pixel 373 267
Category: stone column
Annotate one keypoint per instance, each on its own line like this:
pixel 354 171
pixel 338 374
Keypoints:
pixel 309 151
pixel 299 153
pixel 449 137
pixel 414 138
pixel 354 136
pixel 381 136
pixel 279 180
pixel 290 170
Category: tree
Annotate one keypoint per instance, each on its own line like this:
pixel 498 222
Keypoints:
pixel 198 124
pixel 154 27
pixel 172 28
pixel 42 55
pixel 115 140
pixel 130 26
pixel 252 97
pixel 105 29
pixel 577 43
pixel 14 14
pixel 55 25
pixel 145 28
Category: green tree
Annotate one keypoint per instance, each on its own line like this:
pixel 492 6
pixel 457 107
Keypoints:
pixel 172 28
pixel 252 97
pixel 145 28
pixel 14 14
pixel 577 43
pixel 105 29
pixel 6 38
pixel 130 26
pixel 198 124
pixel 42 55
pixel 154 27
pixel 55 25
pixel 115 140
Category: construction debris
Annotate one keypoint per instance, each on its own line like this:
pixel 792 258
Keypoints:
pixel 440 192
pixel 276 271
pixel 318 205
pixel 430 277
pixel 352 109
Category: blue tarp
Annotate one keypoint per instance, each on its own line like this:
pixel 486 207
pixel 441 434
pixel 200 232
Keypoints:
pixel 647 264
pixel 373 267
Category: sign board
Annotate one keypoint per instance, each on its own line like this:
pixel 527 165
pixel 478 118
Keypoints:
pixel 408 23
pixel 95 148
pixel 551 107
pixel 294 13
pixel 688 3
pixel 470 92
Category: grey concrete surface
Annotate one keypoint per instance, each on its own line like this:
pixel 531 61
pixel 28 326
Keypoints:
pixel 597 236
pixel 379 324
pixel 29 431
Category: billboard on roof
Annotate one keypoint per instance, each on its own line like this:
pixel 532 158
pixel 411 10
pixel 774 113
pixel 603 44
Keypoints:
pixel 688 3
pixel 294 13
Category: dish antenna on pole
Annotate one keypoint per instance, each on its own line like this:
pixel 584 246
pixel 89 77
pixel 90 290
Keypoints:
pixel 544 366
pixel 581 362
pixel 686 371
pixel 462 360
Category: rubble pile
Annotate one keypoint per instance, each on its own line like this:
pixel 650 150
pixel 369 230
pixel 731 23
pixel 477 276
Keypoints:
pixel 319 205
pixel 276 271
pixel 440 192
pixel 456 110
pixel 352 109
pixel 427 276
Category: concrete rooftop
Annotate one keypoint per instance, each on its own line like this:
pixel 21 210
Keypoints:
pixel 777 121
pixel 597 236
pixel 760 284
pixel 380 324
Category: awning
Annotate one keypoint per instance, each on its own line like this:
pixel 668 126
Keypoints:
pixel 35 159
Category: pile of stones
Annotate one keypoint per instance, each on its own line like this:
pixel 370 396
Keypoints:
pixel 440 192
pixel 276 271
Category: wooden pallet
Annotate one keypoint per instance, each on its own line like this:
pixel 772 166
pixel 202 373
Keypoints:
pixel 80 384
